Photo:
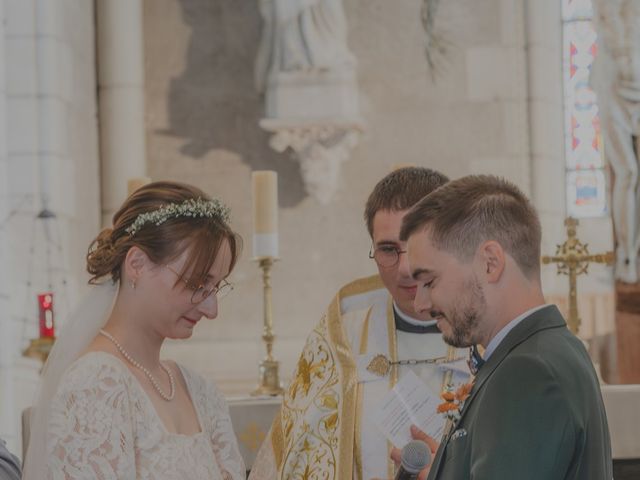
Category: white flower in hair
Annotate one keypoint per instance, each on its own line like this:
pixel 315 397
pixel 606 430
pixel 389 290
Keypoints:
pixel 189 208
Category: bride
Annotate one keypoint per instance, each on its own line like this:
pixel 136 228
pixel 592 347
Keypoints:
pixel 109 408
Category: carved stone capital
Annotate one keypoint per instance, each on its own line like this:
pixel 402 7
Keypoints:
pixel 321 148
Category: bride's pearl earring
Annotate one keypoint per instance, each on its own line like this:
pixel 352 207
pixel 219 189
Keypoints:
pixel 133 284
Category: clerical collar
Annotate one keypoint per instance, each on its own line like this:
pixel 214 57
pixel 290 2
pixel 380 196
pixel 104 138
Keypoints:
pixel 405 323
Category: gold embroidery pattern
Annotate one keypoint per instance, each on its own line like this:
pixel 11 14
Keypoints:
pixel 310 413
pixel 252 436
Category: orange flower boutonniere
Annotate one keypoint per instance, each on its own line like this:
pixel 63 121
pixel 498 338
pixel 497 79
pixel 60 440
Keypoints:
pixel 454 400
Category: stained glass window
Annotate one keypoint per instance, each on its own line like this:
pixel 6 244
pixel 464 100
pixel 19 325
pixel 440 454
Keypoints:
pixel 585 172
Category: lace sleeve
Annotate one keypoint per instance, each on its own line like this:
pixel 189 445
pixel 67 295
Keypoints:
pixel 91 425
pixel 223 439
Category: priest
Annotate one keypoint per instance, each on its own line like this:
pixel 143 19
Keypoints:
pixel 369 337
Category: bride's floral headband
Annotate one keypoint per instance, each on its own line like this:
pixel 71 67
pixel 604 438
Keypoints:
pixel 189 208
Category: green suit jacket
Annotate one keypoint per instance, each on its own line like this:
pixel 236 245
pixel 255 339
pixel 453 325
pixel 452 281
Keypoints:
pixel 535 412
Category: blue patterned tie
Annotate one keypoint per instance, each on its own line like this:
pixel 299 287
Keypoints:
pixel 475 361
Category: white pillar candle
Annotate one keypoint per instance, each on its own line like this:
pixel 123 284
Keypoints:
pixel 265 213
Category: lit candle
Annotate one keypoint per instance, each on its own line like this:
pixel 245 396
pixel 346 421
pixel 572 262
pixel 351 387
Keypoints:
pixel 45 310
pixel 135 183
pixel 265 213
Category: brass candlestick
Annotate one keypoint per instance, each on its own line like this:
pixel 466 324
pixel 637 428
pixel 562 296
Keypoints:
pixel 572 259
pixel 269 378
pixel 39 348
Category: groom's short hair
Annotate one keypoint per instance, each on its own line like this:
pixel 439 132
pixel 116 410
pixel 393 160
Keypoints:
pixel 474 209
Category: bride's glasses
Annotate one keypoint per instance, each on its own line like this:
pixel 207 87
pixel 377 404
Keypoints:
pixel 201 292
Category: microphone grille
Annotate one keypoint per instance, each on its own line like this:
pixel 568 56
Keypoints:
pixel 415 456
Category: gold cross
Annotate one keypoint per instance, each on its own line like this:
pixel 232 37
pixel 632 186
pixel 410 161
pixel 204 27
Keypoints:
pixel 573 259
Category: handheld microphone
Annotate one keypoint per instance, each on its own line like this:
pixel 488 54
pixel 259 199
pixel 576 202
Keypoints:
pixel 414 457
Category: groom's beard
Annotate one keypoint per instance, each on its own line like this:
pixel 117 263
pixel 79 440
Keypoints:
pixel 465 316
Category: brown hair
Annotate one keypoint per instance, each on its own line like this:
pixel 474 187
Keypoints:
pixel 163 242
pixel 400 190
pixel 466 212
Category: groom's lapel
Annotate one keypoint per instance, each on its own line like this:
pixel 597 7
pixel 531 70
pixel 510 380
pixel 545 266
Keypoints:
pixel 545 318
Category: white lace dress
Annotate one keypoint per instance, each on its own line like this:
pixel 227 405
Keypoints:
pixel 104 426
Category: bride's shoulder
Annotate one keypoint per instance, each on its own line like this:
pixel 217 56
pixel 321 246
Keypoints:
pixel 96 392
pixel 94 367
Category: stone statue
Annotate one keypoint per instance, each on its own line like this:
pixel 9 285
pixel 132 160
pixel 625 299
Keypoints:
pixel 302 36
pixel 617 75
pixel 308 75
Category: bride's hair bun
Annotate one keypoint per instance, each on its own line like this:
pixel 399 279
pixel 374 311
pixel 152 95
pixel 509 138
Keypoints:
pixel 103 257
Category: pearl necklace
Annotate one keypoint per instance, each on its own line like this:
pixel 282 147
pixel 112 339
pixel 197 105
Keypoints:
pixel 144 370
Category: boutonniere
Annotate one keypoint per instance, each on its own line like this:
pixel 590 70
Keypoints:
pixel 454 400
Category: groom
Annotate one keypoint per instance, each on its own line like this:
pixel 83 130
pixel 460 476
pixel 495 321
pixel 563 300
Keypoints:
pixel 535 410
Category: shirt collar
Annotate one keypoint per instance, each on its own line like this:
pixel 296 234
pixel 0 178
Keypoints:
pixel 495 341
